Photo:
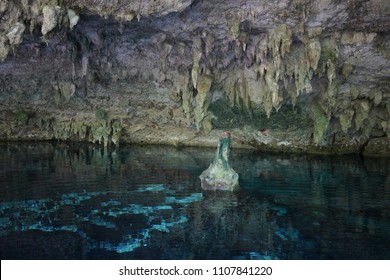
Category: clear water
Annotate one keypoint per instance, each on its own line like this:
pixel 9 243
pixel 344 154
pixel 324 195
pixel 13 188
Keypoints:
pixel 86 202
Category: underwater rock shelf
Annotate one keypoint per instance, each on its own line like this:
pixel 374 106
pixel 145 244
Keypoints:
pixel 44 215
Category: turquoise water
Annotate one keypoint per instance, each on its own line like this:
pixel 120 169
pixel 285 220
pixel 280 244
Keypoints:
pixel 85 202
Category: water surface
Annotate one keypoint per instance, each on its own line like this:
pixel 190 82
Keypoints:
pixel 85 202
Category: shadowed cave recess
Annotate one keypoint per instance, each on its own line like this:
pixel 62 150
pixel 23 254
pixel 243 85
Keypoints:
pixel 289 75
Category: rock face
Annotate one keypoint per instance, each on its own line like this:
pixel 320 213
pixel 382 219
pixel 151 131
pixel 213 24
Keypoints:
pixel 219 175
pixel 314 74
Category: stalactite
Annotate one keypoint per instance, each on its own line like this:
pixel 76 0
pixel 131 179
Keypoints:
pixel 321 122
pixel 197 53
pixel 73 18
pixel 84 71
pixel 282 66
pixel 314 52
pixel 272 83
pixel 331 71
pixel 209 44
pixel 280 40
pixel 239 94
pixel 183 88
pixel 253 89
pixel 100 133
pixel 203 99
pixel 346 119
pixel 297 68
pixel 245 95
pixel 262 50
pixel 267 101
pixel 292 90
pixel 260 70
pixel 233 19
pixel 332 86
pixel 187 102
pixel 279 44
pixel 251 48
pixel 328 64
pixel 362 109
pixel 229 87
pixel 52 16
pixel 116 131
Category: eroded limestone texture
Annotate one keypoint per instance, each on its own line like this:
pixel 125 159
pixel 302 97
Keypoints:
pixel 219 175
pixel 315 74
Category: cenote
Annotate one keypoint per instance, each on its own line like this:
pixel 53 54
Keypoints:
pixel 60 201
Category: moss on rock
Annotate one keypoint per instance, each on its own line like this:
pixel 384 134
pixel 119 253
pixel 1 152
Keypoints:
pixel 321 121
pixel 22 116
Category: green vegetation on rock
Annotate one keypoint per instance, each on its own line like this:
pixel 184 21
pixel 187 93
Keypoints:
pixel 321 122
pixel 101 114
pixel 22 116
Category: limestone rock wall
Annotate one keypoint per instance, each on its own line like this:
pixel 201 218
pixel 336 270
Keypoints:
pixel 294 75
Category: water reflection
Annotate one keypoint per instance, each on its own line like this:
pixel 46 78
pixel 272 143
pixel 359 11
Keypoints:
pixel 86 202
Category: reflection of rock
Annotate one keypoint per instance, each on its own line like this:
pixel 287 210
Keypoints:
pixel 233 225
pixel 219 175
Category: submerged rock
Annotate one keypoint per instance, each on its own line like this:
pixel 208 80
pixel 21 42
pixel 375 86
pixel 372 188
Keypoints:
pixel 219 175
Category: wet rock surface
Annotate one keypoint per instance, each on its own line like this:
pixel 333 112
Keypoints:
pixel 219 175
pixel 314 74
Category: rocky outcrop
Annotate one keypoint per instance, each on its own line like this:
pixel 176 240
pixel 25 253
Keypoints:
pixel 314 74
pixel 219 175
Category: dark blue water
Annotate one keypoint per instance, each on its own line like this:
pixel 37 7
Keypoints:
pixel 85 202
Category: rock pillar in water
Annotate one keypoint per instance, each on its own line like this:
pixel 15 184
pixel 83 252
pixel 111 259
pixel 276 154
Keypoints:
pixel 219 175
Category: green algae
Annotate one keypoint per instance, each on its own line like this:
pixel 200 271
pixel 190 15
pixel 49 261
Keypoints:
pixel 101 114
pixel 22 116
pixel 321 121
